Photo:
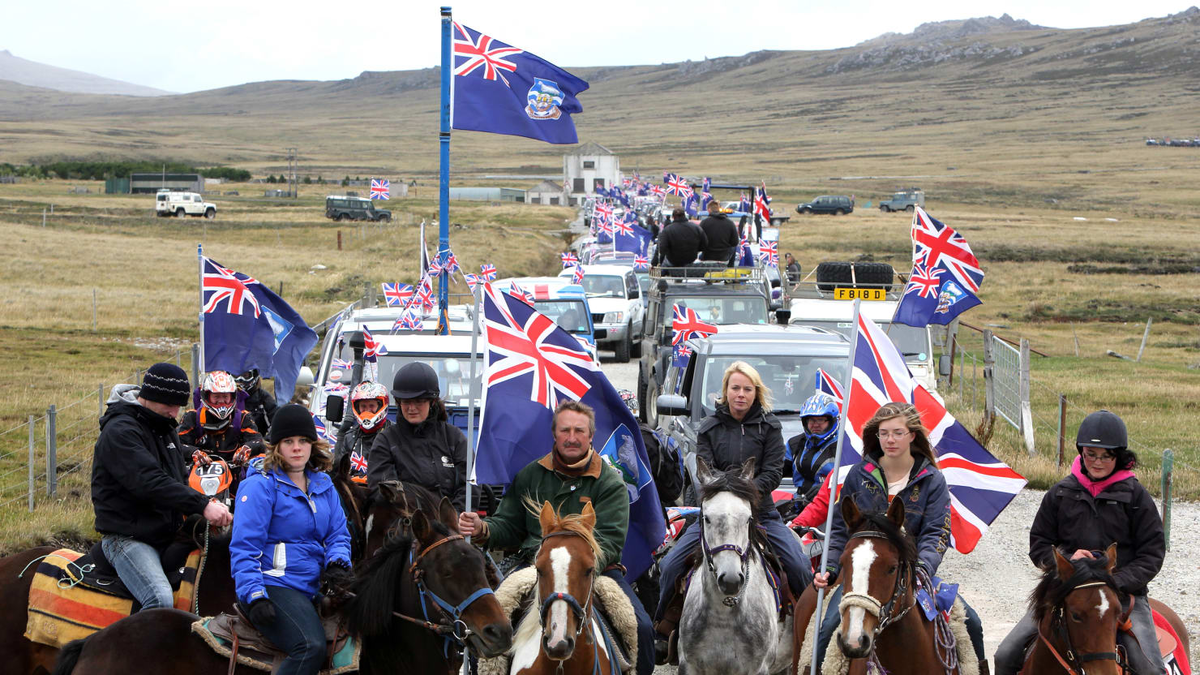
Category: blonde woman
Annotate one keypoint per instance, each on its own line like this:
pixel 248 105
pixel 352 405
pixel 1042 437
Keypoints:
pixel 742 428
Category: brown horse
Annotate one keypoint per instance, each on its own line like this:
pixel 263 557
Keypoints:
pixel 1078 610
pixel 215 592
pixel 424 560
pixel 549 637
pixel 877 624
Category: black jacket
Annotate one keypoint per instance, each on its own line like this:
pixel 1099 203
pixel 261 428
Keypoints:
pixel 240 431
pixel 261 406
pixel 432 454
pixel 724 443
pixel 679 244
pixel 1070 518
pixel 811 462
pixel 722 237
pixel 139 475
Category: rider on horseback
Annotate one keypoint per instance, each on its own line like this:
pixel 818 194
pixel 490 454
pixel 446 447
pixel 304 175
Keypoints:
pixel 1099 503
pixel 369 403
pixel 813 449
pixel 219 424
pixel 260 405
pixel 571 475
pixel 897 463
pixel 742 428
pixel 139 482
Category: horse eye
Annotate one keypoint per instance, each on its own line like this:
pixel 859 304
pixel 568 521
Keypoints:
pixel 891 570
pixel 1076 617
pixel 706 520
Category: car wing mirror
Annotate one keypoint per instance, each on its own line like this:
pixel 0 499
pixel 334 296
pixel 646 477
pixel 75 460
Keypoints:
pixel 335 408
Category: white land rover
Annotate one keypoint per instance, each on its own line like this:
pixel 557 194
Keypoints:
pixel 180 204
pixel 614 297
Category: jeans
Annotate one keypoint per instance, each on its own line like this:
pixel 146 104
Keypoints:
pixel 296 631
pixel 1010 655
pixel 645 633
pixel 139 567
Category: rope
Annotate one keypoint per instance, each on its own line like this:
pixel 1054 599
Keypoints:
pixel 945 646
pixel 75 578
pixel 861 601
pixel 200 573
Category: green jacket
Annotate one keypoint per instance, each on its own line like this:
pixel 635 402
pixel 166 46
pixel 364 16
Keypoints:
pixel 513 526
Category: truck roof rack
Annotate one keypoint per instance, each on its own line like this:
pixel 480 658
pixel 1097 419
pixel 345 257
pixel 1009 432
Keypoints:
pixel 708 273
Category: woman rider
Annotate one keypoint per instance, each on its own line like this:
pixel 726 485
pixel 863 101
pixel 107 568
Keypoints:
pixel 742 428
pixel 421 447
pixel 812 450
pixel 1099 503
pixel 897 463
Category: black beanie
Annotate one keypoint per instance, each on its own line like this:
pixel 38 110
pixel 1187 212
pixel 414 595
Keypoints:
pixel 292 420
pixel 166 383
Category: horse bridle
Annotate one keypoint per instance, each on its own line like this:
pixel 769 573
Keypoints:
pixel 455 627
pixel 884 612
pixel 1073 661
pixel 581 612
pixel 729 600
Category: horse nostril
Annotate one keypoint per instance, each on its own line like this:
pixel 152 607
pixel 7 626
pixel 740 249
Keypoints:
pixel 570 644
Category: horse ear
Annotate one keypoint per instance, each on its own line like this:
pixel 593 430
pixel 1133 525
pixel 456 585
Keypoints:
pixel 1065 568
pixel 703 471
pixel 747 472
pixel 391 490
pixel 895 512
pixel 420 525
pixel 547 519
pixel 448 514
pixel 1111 554
pixel 588 517
pixel 851 514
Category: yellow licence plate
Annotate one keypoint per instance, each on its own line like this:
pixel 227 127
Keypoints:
pixel 859 294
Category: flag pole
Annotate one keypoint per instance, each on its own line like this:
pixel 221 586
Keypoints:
pixel 200 265
pixel 847 380
pixel 477 292
pixel 444 171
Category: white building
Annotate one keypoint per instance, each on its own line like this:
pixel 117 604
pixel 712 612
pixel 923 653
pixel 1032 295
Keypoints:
pixel 546 192
pixel 589 165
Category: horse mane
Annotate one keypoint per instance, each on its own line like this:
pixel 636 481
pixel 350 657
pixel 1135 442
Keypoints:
pixel 734 484
pixel 1052 591
pixel 896 536
pixel 425 499
pixel 572 522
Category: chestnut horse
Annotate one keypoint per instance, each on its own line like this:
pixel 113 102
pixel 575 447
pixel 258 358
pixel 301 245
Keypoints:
pixel 424 558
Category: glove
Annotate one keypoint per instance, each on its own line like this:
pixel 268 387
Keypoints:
pixel 241 456
pixel 337 577
pixel 262 612
pixel 200 458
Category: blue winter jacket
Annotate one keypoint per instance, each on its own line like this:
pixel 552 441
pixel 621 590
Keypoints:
pixel 926 509
pixel 282 537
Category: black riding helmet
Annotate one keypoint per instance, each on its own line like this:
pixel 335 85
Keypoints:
pixel 1103 429
pixel 415 380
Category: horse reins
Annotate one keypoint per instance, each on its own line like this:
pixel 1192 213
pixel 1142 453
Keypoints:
pixel 1073 661
pixel 581 612
pixel 743 554
pixel 449 629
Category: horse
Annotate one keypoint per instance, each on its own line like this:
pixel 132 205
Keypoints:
pixel 424 561
pixel 1078 610
pixel 356 501
pixel 214 591
pixel 548 637
pixel 730 621
pixel 878 628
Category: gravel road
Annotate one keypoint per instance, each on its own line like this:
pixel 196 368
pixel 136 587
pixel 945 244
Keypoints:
pixel 997 576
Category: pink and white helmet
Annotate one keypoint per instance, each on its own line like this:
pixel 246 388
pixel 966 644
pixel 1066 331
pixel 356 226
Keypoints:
pixel 219 382
pixel 369 391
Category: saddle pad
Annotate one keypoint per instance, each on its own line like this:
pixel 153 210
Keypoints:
pixel 62 608
pixel 255 651
pixel 1170 646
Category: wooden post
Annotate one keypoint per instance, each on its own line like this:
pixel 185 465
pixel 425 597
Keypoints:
pixel 1026 406
pixel 93 310
pixel 1062 427
pixel 1168 470
pixel 1076 335
pixel 1145 336
pixel 339 240
pixel 32 478
pixel 51 450
pixel 988 422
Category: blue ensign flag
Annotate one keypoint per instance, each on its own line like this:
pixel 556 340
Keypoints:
pixel 500 89
pixel 636 240
pixel 945 277
pixel 532 364
pixel 246 325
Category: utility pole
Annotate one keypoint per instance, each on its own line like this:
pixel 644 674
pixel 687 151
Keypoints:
pixel 293 184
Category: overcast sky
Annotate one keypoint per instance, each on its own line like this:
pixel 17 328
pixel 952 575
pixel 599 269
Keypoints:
pixel 217 43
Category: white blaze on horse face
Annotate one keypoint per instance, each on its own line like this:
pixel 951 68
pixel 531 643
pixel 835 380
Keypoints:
pixel 560 565
pixel 729 523
pixel 1103 606
pixel 860 579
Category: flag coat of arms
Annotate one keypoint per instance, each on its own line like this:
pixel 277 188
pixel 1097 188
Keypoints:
pixel 381 188
pixel 981 486
pixel 945 277
pixel 501 89
pixel 531 365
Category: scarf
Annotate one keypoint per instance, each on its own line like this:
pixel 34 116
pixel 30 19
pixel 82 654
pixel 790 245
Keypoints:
pixel 1095 487
pixel 575 469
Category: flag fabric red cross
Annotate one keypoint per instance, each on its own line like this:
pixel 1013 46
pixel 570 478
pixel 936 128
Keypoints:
pixel 473 280
pixel 424 297
pixel 577 277
pixel 225 287
pixel 397 294
pixel 641 263
pixel 826 384
pixel 605 227
pixel 381 188
pixel 687 325
pixel 408 320
pixel 604 210
pixel 768 251
pixel 372 348
pixel 358 462
pixel 924 281
pixel 623 228
pixel 488 271
pixel 678 185
pixel 943 246
pixel 341 364
pixel 521 294
pixel 761 206
pixel 481 54
pixel 658 191
pixel 569 259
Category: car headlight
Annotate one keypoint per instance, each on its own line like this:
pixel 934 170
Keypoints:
pixel 614 317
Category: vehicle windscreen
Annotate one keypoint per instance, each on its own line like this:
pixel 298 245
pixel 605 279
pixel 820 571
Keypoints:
pixel 913 342
pixel 453 371
pixel 571 315
pixel 643 281
pixel 604 286
pixel 723 310
pixel 791 379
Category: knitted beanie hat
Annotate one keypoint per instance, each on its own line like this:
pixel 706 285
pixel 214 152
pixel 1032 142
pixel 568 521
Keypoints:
pixel 166 383
pixel 292 420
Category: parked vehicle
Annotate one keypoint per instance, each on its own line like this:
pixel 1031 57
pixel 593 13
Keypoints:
pixel 565 303
pixel 354 208
pixel 830 204
pixel 614 298
pixel 904 200
pixel 180 204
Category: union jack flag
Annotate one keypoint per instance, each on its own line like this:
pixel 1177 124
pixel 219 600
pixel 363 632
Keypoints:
pixel 424 297
pixel 408 320
pixel 605 227
pixel 488 271
pixel 577 277
pixel 322 431
pixel 761 202
pixel 625 182
pixel 473 280
pixel 381 188
pixel 482 55
pixel 679 359
pixel 373 349
pixel 223 285
pixel 827 384
pixel 944 247
pixel 604 210
pixel 981 486
pixel 641 263
pixel 924 281
pixel 687 325
pixel 450 262
pixel 768 251
pixel 436 266
pixel 569 259
pixel 358 463
pixel 624 228
pixel 658 191
pixel 521 294
pixel 666 175
pixel 341 364
pixel 678 185
pixel 397 294
pixel 744 203
pixel 945 277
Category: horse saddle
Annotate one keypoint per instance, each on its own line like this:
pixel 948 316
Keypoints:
pixel 72 595
pixel 235 638
pixel 98 574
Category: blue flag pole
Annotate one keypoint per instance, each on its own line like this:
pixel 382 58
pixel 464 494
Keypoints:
pixel 444 171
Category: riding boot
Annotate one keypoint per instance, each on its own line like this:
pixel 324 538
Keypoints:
pixel 983 667
pixel 666 637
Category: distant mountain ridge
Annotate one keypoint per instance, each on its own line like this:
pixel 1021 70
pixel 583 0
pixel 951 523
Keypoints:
pixel 34 74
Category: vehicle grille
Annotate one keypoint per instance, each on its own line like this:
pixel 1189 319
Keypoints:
pixel 597 318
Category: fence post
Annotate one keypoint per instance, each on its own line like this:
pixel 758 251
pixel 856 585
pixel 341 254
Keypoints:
pixel 32 486
pixel 1062 426
pixel 1145 336
pixel 1026 406
pixel 988 422
pixel 195 364
pixel 100 401
pixel 1168 470
pixel 51 451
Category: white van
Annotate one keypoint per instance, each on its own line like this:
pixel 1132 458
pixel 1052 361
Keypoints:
pixel 180 204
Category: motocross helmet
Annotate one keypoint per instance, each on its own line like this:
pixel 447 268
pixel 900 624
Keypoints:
pixel 369 391
pixel 218 382
pixel 248 381
pixel 820 405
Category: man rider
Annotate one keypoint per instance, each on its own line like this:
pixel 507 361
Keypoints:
pixel 369 405
pixel 259 403
pixel 571 475
pixel 139 482
pixel 219 425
